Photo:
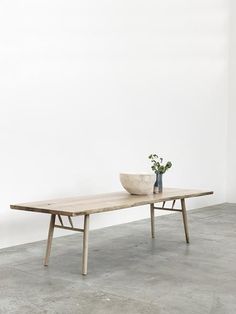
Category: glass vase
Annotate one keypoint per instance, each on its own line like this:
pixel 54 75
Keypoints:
pixel 160 182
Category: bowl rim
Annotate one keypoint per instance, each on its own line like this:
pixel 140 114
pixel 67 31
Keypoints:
pixel 138 174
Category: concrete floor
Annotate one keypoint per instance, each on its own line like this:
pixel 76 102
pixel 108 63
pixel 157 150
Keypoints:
pixel 128 271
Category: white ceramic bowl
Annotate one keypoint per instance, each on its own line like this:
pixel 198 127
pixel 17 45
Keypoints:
pixel 139 184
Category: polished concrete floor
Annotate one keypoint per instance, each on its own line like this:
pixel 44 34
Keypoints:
pixel 128 271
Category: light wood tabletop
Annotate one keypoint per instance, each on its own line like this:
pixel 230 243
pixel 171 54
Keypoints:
pixel 86 205
pixel 62 208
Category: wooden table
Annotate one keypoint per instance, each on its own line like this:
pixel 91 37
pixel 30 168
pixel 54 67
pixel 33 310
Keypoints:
pixel 87 205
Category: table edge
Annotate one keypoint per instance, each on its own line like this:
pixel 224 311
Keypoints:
pixel 102 210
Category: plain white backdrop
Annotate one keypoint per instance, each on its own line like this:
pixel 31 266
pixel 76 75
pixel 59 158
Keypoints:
pixel 88 89
pixel 231 179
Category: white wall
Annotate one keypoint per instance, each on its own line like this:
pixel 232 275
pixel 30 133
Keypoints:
pixel 90 88
pixel 231 180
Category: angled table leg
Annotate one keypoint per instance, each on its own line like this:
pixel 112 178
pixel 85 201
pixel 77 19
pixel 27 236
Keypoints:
pixel 85 245
pixel 152 213
pixel 185 221
pixel 50 236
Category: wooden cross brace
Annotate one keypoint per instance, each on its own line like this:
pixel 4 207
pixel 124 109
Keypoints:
pixel 168 208
pixel 62 226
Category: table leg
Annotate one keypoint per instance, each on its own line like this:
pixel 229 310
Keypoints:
pixel 152 213
pixel 50 236
pixel 184 213
pixel 85 245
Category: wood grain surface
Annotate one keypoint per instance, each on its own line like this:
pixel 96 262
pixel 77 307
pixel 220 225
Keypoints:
pixel 86 205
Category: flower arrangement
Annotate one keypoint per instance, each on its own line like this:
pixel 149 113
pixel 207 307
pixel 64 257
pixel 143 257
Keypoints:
pixel 159 167
pixel 157 164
